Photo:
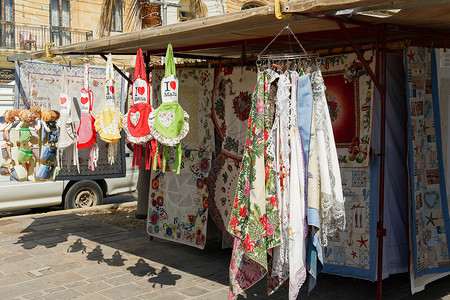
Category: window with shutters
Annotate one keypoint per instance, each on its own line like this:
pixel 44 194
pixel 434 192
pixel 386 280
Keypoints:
pixel 60 22
pixel 117 21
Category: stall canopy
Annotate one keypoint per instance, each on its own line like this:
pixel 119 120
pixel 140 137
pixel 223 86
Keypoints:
pixel 248 32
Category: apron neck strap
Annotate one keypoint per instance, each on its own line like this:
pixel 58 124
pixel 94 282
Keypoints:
pixel 139 68
pixel 109 68
pixel 86 77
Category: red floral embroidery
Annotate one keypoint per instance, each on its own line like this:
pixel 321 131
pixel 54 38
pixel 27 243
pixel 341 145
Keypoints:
pixel 243 211
pixel 273 201
pixel 233 222
pixel 266 135
pixel 248 244
pixel 248 142
pixel 263 221
pixel 236 200
pixel 247 188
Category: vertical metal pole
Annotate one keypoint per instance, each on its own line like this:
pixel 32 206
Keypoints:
pixel 164 13
pixel 381 231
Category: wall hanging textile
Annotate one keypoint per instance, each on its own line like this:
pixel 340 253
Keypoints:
pixel 221 187
pixel 169 124
pixel 108 121
pixel 178 209
pixel 67 133
pixel 39 84
pixel 353 251
pixel 254 221
pixel 196 85
pixel 430 231
pixel 355 247
pixel 135 121
pixel 349 97
pixel 231 105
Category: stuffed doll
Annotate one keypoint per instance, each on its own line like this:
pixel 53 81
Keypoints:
pixel 11 118
pixel 49 118
pixel 25 117
pixel 36 117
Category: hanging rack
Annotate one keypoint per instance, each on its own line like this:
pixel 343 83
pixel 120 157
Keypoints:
pixel 284 57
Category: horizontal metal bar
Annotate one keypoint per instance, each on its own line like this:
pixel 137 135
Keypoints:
pixel 192 56
pixel 418 31
pixel 22 56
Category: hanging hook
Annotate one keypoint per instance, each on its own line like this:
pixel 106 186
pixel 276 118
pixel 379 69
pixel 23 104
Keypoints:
pixel 139 41
pixel 64 59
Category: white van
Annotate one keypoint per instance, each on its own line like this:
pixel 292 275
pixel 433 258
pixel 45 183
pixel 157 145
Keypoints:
pixel 68 193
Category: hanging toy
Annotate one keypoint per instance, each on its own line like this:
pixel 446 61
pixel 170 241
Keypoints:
pixel 87 134
pixel 108 122
pixel 169 123
pixel 135 122
pixel 66 126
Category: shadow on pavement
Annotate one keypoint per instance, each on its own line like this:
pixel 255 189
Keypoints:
pixel 92 238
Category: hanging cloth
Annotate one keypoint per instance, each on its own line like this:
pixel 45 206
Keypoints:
pixel 87 134
pixel 254 221
pixel 109 121
pixel 66 127
pixel 135 121
pixel 169 123
pixel 324 178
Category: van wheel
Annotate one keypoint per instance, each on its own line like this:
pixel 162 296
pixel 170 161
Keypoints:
pixel 84 193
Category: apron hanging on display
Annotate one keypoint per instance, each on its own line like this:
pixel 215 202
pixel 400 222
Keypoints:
pixel 66 127
pixel 108 122
pixel 135 122
pixel 87 134
pixel 169 123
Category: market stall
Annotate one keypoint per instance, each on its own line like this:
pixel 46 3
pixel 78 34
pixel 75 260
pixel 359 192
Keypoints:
pixel 368 92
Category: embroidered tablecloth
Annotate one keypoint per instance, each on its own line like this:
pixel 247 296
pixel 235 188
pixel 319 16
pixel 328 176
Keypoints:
pixel 221 186
pixel 430 225
pixel 233 87
pixel 178 209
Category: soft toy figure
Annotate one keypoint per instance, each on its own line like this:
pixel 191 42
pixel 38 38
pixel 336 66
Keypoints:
pixel 49 118
pixel 35 124
pixel 25 117
pixel 11 118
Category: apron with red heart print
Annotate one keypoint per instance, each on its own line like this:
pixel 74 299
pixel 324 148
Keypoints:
pixel 87 135
pixel 86 131
pixel 109 121
pixel 136 120
pixel 66 126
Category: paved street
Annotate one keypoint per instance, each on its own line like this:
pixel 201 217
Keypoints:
pixel 59 255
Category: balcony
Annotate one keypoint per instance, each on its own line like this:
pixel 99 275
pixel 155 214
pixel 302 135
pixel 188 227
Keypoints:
pixel 26 37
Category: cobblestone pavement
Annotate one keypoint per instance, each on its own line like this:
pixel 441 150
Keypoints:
pixel 59 255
